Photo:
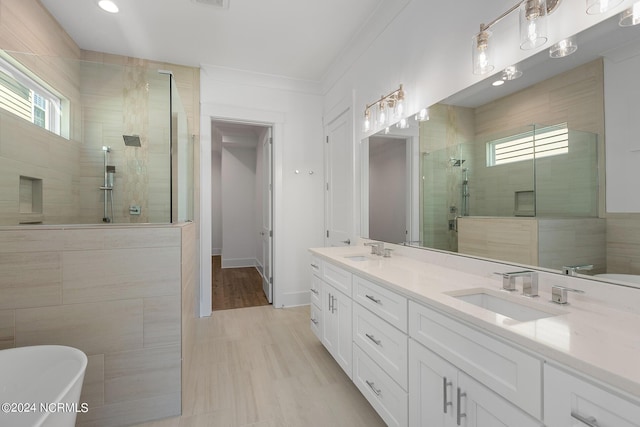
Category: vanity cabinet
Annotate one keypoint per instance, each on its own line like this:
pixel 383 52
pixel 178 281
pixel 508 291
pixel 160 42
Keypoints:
pixel 315 308
pixel 504 369
pixel 337 316
pixel 572 401
pixel 442 395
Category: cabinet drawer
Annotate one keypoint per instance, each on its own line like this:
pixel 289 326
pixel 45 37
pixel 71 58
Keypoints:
pixel 511 373
pixel 316 321
pixel 337 277
pixel 568 399
pixel 316 291
pixel 316 266
pixel 386 345
pixel 383 302
pixel 386 397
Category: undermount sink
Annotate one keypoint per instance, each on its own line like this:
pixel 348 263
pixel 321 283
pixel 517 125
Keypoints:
pixel 357 258
pixel 501 303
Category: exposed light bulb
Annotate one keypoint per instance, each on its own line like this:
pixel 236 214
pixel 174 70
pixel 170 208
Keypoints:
pixel 403 123
pixel 533 28
pixel 481 53
pixel 386 130
pixel 108 6
pixel 366 126
pixel 382 113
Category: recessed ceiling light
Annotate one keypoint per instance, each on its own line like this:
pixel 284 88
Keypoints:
pixel 108 6
pixel 498 83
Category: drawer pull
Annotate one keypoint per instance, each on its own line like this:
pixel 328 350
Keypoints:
pixel 377 301
pixel 315 322
pixel 315 266
pixel 372 338
pixel 589 421
pixel 373 388
pixel 445 386
pixel 315 291
pixel 460 415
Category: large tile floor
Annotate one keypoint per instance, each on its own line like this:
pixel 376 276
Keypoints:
pixel 261 366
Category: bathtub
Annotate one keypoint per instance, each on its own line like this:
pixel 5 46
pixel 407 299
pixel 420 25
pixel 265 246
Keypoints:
pixel 40 386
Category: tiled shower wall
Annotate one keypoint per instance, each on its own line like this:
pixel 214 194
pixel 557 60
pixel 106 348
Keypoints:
pixel 115 293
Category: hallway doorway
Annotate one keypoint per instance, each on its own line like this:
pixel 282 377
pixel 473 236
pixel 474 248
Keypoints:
pixel 241 201
pixel 235 287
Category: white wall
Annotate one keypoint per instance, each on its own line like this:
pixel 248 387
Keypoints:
pixel 295 110
pixel 622 133
pixel 238 206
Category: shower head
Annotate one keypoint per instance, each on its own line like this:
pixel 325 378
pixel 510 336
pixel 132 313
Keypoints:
pixel 131 140
pixel 456 162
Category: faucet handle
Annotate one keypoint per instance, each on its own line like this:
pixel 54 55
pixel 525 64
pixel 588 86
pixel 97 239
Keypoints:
pixel 572 270
pixel 559 294
pixel 507 283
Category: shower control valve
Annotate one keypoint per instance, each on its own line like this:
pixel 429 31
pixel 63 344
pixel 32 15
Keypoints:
pixel 135 210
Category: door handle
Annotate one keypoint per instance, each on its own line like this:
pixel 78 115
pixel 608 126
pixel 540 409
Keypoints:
pixel 445 386
pixel 460 415
pixel 348 241
pixel 372 338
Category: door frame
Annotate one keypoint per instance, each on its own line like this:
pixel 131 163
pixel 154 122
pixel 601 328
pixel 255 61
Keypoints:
pixel 275 120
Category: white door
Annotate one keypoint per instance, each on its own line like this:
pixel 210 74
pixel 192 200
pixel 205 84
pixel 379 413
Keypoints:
pixel 432 383
pixel 267 216
pixel 339 185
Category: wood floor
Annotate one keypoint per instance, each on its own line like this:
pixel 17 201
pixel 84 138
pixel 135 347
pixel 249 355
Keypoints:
pixel 263 367
pixel 235 287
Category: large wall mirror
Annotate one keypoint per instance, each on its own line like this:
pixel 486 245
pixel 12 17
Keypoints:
pixel 517 172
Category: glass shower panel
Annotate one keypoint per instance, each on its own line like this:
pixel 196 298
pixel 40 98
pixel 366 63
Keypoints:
pixel 567 184
pixel 182 160
pixel 440 197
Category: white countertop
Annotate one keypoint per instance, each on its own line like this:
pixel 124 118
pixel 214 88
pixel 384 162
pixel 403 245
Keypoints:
pixel 592 337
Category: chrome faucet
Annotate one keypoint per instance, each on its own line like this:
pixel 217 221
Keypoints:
pixel 377 248
pixel 529 282
pixel 572 270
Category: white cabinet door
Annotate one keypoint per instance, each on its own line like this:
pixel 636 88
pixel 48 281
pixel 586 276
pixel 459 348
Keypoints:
pixel 477 406
pixel 336 326
pixel 571 401
pixel 431 388
pixel 442 395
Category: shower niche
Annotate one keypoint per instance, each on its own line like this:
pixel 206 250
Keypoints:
pixel 30 193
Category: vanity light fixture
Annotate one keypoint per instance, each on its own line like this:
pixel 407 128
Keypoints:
pixel 108 6
pixel 630 16
pixel 595 7
pixel 533 31
pixel 563 48
pixel 390 106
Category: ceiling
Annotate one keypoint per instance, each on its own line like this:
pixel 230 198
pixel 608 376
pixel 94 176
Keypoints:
pixel 291 38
